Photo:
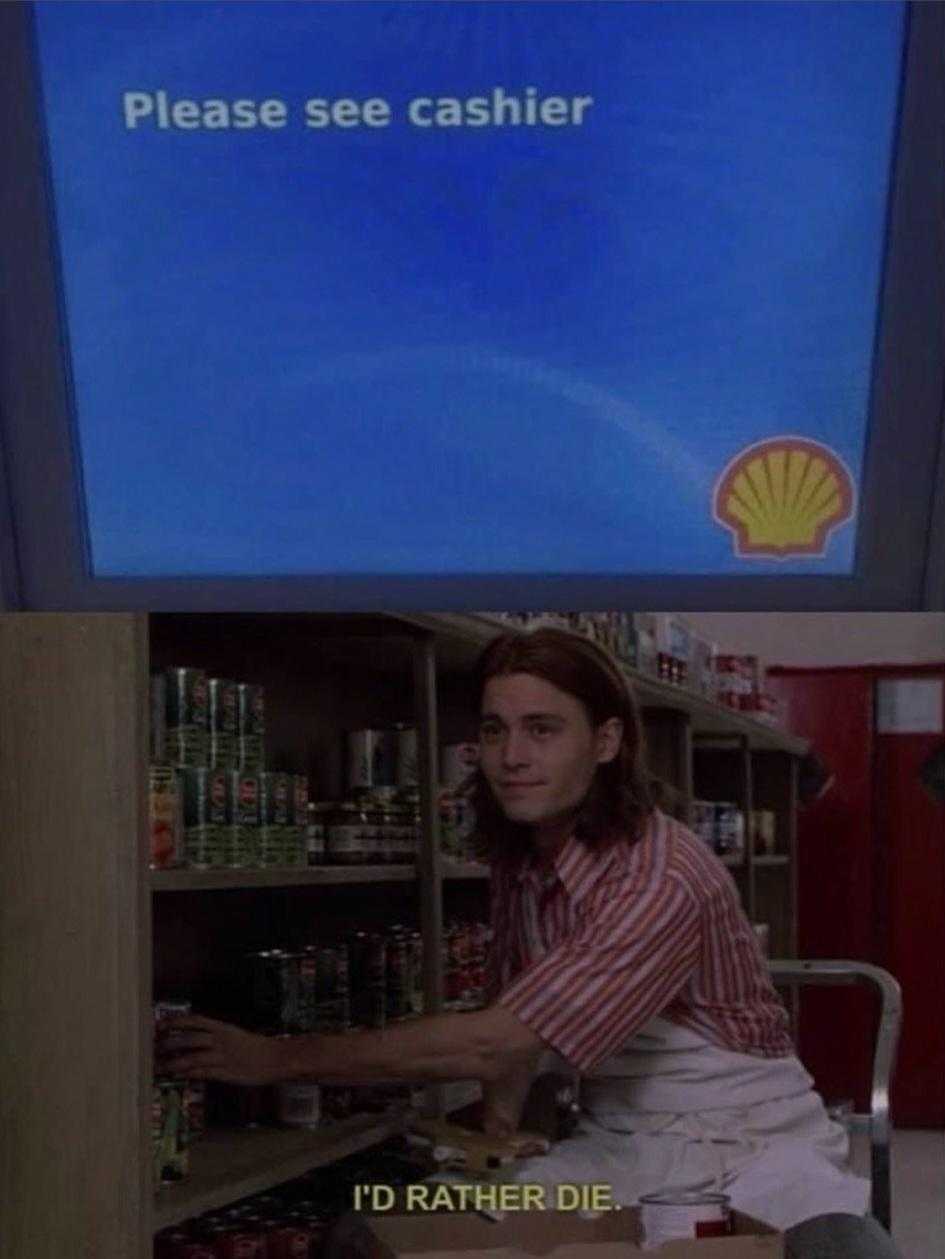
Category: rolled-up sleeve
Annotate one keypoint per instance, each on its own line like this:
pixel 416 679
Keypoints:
pixel 629 956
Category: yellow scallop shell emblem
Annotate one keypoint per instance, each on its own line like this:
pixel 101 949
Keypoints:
pixel 783 497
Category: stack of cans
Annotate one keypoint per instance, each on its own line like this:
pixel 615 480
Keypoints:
pixel 213 803
pixel 206 723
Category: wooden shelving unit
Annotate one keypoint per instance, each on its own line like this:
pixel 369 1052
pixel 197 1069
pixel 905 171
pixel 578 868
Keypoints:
pixel 81 904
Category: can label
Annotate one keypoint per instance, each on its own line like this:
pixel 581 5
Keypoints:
pixel 344 844
pixel 333 993
pixel 272 846
pixel 294 854
pixel 222 751
pixel 251 710
pixel 222 705
pixel 315 843
pixel 407 756
pixel 250 752
pixel 274 797
pixel 242 798
pixel 204 792
pixel 165 822
pixel 205 846
pixel 186 747
pixel 186 699
pixel 240 846
pixel 172 1156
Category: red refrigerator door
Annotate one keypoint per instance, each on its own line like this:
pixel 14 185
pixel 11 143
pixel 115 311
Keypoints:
pixel 833 708
pixel 910 831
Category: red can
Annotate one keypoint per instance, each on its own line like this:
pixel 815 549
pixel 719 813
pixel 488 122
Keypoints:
pixel 289 1239
pixel 239 1242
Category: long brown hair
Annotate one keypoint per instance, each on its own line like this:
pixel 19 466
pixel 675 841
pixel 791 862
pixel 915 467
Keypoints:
pixel 619 800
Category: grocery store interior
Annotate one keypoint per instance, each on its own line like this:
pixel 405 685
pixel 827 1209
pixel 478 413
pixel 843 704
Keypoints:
pixel 806 749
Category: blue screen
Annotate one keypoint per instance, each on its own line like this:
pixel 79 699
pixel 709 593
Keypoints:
pixel 485 288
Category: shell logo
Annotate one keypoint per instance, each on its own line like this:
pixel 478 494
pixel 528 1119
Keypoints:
pixel 783 497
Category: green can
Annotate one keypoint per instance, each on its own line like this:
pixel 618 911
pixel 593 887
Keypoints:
pixel 272 846
pixel 275 798
pixel 251 709
pixel 242 819
pixel 223 706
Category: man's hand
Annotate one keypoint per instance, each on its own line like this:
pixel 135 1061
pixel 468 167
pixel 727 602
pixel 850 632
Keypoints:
pixel 196 1048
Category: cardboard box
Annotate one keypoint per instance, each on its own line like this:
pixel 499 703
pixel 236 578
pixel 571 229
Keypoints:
pixel 526 1234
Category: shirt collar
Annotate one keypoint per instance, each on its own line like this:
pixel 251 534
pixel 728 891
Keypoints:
pixel 571 866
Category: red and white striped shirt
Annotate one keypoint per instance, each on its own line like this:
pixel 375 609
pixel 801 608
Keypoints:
pixel 588 952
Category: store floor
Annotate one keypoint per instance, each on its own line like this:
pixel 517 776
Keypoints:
pixel 918 1189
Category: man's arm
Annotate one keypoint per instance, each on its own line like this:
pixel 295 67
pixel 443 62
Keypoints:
pixel 487 1045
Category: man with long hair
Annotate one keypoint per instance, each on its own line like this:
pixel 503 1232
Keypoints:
pixel 620 945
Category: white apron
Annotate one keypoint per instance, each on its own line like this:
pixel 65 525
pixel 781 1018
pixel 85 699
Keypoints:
pixel 672 1111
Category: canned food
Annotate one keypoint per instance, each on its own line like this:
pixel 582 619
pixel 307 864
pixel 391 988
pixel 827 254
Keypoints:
pixel 415 994
pixel 222 706
pixel 307 996
pixel 242 798
pixel 241 830
pixel 186 716
pixel 174 1243
pixel 332 989
pixel 298 1104
pixel 729 829
pixel 683 1217
pixel 272 846
pixel 298 800
pixel 204 808
pixel 293 1239
pixel 172 1157
pixel 251 709
pixel 164 1010
pixel 294 852
pixel 315 834
pixel 274 994
pixel 367 953
pixel 223 752
pixel 370 759
pixel 167 849
pixel 406 756
pixel 457 762
pixel 398 976
pixel 195 1106
pixel 251 753
pixel 239 1242
pixel 702 821
pixel 345 835
pixel 274 798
